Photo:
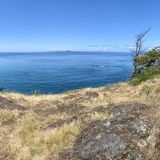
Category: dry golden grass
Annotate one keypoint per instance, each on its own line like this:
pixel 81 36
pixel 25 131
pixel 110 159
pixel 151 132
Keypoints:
pixel 26 135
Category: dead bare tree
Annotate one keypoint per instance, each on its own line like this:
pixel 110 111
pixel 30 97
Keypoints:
pixel 138 49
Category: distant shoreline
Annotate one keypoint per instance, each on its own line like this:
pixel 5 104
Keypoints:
pixel 65 52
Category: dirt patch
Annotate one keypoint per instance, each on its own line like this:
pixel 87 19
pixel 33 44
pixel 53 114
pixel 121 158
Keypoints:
pixel 60 123
pixel 10 104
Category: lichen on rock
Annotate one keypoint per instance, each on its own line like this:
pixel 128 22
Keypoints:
pixel 125 136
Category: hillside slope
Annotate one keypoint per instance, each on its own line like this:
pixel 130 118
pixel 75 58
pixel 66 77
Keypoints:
pixel 113 122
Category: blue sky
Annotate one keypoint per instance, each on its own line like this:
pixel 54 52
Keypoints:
pixel 100 25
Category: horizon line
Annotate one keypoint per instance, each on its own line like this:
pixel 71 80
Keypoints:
pixel 47 51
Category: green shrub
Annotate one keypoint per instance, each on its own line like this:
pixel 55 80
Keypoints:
pixel 149 74
pixel 148 66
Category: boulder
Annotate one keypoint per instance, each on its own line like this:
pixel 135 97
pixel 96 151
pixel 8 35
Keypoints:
pixel 127 135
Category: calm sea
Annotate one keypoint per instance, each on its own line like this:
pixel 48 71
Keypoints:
pixel 62 71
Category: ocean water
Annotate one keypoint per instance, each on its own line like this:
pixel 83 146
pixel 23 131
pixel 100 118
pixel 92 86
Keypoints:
pixel 62 71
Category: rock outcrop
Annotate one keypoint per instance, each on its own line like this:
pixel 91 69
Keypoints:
pixel 127 135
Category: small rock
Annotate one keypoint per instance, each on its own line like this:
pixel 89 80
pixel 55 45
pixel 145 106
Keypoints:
pixel 91 94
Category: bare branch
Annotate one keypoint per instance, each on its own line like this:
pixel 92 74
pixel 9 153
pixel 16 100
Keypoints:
pixel 139 48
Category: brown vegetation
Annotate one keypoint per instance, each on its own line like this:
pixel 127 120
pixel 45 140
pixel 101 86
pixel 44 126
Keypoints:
pixel 52 127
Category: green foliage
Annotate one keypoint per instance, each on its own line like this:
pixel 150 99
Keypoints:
pixel 148 58
pixel 34 151
pixel 146 89
pixel 150 73
pixel 148 66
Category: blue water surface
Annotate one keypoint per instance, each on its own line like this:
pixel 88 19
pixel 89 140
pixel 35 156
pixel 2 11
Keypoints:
pixel 56 72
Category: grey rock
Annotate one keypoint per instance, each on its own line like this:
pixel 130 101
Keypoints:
pixel 91 94
pixel 128 135
pixel 106 146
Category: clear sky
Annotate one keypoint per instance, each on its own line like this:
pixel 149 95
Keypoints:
pixel 105 25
